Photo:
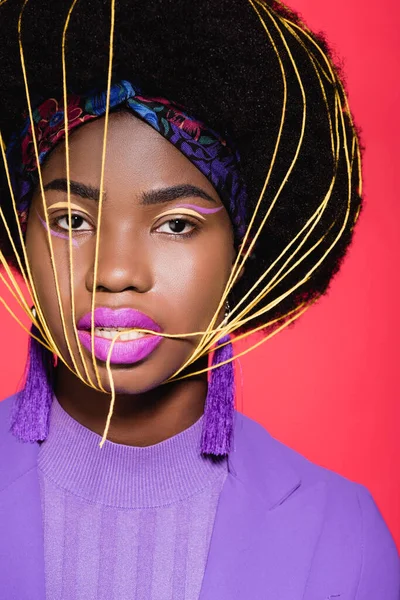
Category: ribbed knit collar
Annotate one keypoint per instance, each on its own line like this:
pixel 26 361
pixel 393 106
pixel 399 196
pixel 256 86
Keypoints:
pixel 125 476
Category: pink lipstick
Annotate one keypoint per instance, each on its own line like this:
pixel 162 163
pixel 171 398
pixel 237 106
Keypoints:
pixel 134 348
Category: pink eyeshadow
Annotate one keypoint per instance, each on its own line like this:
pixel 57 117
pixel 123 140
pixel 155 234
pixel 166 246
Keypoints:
pixel 200 209
pixel 56 233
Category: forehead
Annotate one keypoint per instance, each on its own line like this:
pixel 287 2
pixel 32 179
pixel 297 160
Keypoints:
pixel 136 156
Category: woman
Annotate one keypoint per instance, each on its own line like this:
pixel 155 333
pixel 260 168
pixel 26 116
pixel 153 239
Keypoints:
pixel 224 203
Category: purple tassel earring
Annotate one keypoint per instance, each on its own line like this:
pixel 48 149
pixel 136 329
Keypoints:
pixel 32 404
pixel 220 404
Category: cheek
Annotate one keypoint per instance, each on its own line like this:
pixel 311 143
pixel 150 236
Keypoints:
pixel 39 257
pixel 192 278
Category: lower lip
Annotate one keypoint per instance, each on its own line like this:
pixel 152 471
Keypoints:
pixel 123 352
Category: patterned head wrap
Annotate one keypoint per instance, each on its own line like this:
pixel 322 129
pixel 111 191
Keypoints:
pixel 205 148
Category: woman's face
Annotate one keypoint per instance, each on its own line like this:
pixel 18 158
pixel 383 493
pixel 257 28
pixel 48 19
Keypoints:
pixel 166 247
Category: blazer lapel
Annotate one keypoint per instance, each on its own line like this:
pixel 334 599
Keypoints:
pixel 266 528
pixel 21 530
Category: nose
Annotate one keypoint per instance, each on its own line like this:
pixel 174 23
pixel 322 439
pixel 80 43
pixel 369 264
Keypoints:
pixel 122 264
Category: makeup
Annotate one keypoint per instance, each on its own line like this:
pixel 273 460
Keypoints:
pixel 201 209
pixel 187 213
pixel 56 233
pixel 106 321
pixel 190 210
pixel 65 205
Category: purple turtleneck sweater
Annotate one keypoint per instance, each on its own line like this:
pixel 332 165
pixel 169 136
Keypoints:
pixel 125 522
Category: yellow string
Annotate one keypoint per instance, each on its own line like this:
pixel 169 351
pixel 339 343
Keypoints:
pixel 19 297
pixel 336 239
pixel 43 198
pixel 111 380
pixel 256 345
pixel 21 324
pixel 67 164
pixel 349 171
pixel 316 216
pixel 245 334
pixel 325 99
pixel 236 267
pixel 17 294
pixel 307 34
pixel 103 160
pixel 29 284
pixel 232 280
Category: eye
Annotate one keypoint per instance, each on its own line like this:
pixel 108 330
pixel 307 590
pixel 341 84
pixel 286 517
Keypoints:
pixel 178 226
pixel 77 221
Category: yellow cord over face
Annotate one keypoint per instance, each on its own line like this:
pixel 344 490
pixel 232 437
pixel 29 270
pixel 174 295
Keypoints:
pixel 67 166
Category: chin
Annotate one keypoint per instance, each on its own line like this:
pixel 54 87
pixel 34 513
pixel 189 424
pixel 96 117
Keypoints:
pixel 130 379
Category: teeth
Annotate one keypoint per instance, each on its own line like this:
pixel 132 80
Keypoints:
pixel 111 333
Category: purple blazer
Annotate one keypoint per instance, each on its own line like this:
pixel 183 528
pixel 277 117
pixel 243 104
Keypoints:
pixel 285 528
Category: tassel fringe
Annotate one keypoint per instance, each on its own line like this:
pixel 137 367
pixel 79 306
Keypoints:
pixel 217 431
pixel 30 418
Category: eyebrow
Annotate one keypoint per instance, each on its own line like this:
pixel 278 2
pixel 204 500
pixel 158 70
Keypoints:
pixel 175 193
pixel 77 189
pixel 152 197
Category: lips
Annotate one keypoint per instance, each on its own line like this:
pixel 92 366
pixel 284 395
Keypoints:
pixel 125 352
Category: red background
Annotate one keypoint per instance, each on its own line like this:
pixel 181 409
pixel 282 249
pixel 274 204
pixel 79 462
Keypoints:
pixel 329 387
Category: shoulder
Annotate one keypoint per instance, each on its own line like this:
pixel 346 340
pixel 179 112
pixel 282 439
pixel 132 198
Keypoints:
pixel 258 442
pixel 16 458
pixel 255 440
pixel 353 531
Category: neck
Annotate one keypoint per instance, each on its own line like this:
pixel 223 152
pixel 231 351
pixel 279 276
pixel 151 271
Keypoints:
pixel 138 419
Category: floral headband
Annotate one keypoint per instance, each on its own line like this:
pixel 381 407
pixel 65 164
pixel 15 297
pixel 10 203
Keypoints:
pixel 206 149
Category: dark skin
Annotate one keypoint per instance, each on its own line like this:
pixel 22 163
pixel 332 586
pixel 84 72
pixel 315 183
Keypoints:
pixel 145 262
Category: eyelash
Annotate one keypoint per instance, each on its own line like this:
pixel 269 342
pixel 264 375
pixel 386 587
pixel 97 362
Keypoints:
pixel 55 223
pixel 187 220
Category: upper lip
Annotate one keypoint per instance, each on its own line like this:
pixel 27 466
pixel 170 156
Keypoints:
pixel 120 317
